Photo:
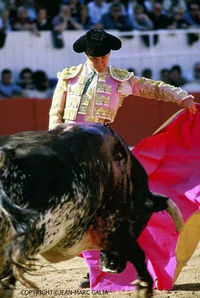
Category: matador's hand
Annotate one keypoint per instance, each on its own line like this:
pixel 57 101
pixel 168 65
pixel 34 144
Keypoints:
pixel 189 104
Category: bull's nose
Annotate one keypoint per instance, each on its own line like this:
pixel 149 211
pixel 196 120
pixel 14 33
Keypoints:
pixel 2 157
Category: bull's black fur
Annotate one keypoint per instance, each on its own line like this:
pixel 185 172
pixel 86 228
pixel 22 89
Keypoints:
pixel 88 180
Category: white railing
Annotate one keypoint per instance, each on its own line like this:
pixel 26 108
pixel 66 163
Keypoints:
pixel 23 49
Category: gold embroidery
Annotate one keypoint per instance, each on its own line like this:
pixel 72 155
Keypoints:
pixel 70 114
pixel 71 72
pixel 120 74
pixel 96 119
pixel 121 101
pixel 102 99
pixel 82 109
pixel 82 79
pixel 120 87
pixel 76 89
pixel 90 93
pixel 158 90
pixel 104 112
pixel 101 87
pixel 85 100
pixel 102 77
pixel 73 101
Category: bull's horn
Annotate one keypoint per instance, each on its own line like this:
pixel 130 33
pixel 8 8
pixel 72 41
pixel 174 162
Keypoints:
pixel 2 157
pixel 175 213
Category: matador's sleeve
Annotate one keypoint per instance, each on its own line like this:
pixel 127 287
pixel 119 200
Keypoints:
pixel 58 102
pixel 157 90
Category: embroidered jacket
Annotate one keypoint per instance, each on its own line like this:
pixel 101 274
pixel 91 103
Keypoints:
pixel 104 96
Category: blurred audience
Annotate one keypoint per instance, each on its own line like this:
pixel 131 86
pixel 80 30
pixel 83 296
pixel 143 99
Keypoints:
pixel 41 86
pixel 26 79
pixel 30 8
pixel 175 76
pixel 5 24
pixel 74 6
pixel 141 21
pixel 123 15
pixel 42 21
pixel 148 5
pixel 2 5
pixel 22 21
pixel 164 75
pixel 64 21
pixel 97 9
pixel 7 87
pixel 192 16
pixel 86 14
pixel 159 18
pixel 170 5
pixel 114 20
pixel 147 73
pixel 83 17
pixel 52 6
pixel 194 85
pixel 177 21
pixel 123 8
pixel 132 70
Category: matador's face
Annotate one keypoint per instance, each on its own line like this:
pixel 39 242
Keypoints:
pixel 98 63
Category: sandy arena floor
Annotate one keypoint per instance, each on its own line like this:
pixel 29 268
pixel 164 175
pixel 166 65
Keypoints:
pixel 52 279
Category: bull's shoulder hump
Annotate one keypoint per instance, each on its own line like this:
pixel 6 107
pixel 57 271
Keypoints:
pixel 70 73
pixel 120 74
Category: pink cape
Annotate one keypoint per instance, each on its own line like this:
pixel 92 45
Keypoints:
pixel 171 158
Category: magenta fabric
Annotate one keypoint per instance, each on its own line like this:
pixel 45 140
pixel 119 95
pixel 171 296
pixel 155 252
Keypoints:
pixel 172 160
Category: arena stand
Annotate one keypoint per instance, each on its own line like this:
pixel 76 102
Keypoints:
pixel 23 49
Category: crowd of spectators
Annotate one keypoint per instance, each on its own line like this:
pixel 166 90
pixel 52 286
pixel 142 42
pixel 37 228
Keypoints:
pixel 31 84
pixel 125 15
pixel 35 15
pixel 36 84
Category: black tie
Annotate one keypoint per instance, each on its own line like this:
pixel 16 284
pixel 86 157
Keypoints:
pixel 87 84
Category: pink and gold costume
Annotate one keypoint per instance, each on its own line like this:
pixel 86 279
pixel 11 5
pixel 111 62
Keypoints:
pixel 105 94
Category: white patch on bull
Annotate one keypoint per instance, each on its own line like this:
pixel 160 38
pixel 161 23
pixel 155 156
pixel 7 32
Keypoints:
pixel 15 175
pixel 5 173
pixel 60 253
pixel 22 177
pixel 83 163
pixel 59 223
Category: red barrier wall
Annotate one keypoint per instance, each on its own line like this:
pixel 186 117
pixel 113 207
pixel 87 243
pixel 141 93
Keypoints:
pixel 137 118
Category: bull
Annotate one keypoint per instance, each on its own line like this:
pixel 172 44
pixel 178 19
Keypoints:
pixel 74 188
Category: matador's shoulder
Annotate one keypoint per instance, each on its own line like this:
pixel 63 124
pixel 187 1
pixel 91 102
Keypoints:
pixel 120 74
pixel 69 73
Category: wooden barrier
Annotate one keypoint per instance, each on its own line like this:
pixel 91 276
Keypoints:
pixel 137 118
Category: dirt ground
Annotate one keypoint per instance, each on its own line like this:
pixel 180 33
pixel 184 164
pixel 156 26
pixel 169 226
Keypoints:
pixel 52 279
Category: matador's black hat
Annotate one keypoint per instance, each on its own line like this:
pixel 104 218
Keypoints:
pixel 97 43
